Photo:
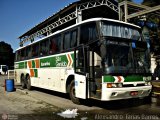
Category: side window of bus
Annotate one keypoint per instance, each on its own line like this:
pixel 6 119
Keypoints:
pixel 35 50
pixel 70 39
pixel 18 55
pixel 55 44
pixel 88 33
pixel 74 38
pixel 22 56
pixel 44 47
pixel 67 41
pixel 28 52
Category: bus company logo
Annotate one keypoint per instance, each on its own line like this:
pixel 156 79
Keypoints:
pixel 60 63
pixel 4 116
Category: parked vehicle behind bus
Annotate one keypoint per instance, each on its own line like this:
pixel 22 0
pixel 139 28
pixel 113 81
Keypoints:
pixel 3 69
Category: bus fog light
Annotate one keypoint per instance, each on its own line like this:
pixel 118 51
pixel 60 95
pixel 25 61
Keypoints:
pixel 114 85
pixel 119 85
pixel 114 94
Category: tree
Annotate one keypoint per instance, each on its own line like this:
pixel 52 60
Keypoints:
pixel 152 3
pixel 6 54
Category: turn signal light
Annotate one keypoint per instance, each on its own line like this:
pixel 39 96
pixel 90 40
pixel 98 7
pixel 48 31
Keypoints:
pixel 109 85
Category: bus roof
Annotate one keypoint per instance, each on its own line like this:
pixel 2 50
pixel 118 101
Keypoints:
pixel 85 21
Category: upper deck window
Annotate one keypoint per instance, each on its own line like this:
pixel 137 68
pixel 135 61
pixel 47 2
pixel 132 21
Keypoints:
pixel 44 47
pixel 35 50
pixel 88 33
pixel 70 39
pixel 55 44
pixel 112 29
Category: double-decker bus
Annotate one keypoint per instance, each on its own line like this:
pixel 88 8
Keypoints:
pixel 97 58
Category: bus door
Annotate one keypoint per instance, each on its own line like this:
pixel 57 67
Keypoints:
pixel 95 73
pixel 81 72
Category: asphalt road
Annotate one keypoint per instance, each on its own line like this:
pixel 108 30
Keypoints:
pixel 45 104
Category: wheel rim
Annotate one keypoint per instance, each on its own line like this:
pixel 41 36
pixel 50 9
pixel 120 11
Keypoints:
pixel 28 81
pixel 73 92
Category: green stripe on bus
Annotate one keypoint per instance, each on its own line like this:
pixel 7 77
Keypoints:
pixel 25 64
pixel 108 79
pixel 33 64
pixel 47 62
pixel 133 78
pixel 35 73
pixel 20 65
pixel 54 61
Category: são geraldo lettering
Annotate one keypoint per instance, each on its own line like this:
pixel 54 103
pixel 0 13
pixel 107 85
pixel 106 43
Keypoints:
pixel 60 63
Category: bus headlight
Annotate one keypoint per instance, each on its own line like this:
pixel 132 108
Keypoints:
pixel 114 85
pixel 144 78
pixel 147 78
pixel 120 85
pixel 157 78
pixel 147 83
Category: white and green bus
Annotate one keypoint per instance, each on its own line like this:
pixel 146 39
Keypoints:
pixel 97 58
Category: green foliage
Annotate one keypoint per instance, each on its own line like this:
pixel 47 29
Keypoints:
pixel 6 54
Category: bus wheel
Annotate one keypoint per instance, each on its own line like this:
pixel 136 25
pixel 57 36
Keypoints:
pixel 23 84
pixel 72 93
pixel 29 87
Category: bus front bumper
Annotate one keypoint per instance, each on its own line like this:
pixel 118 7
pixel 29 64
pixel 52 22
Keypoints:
pixel 109 94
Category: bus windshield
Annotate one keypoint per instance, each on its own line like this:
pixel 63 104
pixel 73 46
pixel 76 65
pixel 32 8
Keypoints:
pixel 119 56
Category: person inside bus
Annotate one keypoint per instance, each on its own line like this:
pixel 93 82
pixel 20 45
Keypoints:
pixel 44 49
pixel 33 52
pixel 53 47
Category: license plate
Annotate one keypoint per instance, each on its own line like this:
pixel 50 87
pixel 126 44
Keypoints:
pixel 134 93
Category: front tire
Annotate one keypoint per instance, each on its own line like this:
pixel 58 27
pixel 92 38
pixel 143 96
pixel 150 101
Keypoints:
pixel 72 93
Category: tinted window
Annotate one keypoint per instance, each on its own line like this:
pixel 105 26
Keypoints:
pixel 67 40
pixel 74 38
pixel 88 33
pixel 55 44
pixel 70 39
pixel 22 56
pixel 18 55
pixel 44 47
pixel 28 52
pixel 35 50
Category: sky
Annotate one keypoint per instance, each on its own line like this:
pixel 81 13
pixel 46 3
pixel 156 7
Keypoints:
pixel 19 16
